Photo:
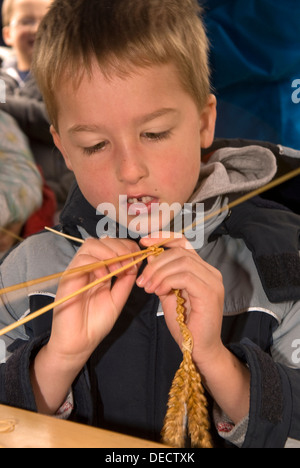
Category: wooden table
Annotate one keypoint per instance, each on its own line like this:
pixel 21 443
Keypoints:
pixel 31 430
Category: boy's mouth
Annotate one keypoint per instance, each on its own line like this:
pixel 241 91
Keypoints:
pixel 140 204
pixel 145 200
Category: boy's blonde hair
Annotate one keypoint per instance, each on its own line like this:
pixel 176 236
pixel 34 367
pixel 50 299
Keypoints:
pixel 7 11
pixel 120 35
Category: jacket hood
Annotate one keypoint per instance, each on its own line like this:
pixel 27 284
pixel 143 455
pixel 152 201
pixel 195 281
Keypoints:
pixel 235 171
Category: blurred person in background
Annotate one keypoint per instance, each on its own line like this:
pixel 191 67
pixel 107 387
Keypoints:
pixel 255 59
pixel 21 19
pixel 20 183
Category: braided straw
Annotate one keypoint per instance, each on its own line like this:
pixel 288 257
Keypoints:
pixel 187 405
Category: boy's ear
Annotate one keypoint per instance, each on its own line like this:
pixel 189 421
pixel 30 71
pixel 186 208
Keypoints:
pixel 59 145
pixel 7 36
pixel 208 119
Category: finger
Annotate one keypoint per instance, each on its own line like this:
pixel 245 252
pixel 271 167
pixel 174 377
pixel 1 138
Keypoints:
pixel 109 248
pixel 92 254
pixel 173 262
pixel 104 250
pixel 166 239
pixel 72 282
pixel 163 268
pixel 175 240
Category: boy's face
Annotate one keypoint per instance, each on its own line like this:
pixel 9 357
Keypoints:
pixel 20 34
pixel 138 136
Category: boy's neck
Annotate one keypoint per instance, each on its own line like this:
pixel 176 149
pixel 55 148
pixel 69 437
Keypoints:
pixel 23 64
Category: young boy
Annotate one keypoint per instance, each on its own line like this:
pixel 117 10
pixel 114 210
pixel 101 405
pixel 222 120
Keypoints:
pixel 21 19
pixel 126 83
pixel 23 100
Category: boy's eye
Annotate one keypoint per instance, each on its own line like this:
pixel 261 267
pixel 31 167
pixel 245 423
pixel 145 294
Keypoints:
pixel 153 136
pixel 94 149
pixel 25 22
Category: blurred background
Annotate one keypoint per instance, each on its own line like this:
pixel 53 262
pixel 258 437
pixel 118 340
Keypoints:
pixel 255 58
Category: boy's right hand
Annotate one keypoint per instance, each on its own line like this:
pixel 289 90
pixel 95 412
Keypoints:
pixel 80 324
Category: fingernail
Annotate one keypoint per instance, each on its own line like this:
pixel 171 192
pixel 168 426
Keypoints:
pixel 132 270
pixel 140 281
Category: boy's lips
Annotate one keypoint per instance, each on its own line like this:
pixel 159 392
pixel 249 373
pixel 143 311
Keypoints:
pixel 140 204
pixel 140 199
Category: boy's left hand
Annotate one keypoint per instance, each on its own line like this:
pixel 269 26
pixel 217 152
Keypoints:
pixel 225 377
pixel 180 267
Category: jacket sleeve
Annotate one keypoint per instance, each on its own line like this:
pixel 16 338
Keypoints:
pixel 41 254
pixel 274 417
pixel 15 385
pixel 16 389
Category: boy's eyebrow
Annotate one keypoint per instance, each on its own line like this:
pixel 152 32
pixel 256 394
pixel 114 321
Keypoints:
pixel 154 115
pixel 140 120
pixel 83 128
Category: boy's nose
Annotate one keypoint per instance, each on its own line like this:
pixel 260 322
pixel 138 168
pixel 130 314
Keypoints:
pixel 131 168
pixel 35 25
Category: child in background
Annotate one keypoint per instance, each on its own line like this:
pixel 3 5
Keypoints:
pixel 126 84
pixel 20 181
pixel 21 19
